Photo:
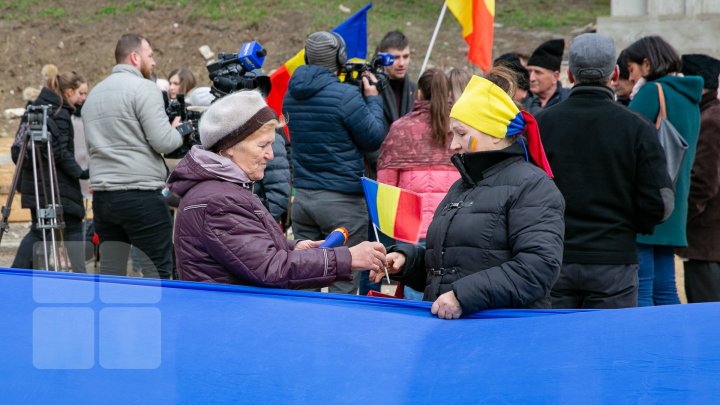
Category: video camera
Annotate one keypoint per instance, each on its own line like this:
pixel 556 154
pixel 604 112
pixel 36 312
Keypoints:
pixel 188 125
pixel 231 72
pixel 37 122
pixel 354 71
pixel 238 71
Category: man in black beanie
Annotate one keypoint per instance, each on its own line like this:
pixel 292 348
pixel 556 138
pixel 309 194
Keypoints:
pixel 544 68
pixel 702 270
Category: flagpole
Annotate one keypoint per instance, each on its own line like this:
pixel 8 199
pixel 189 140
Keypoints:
pixel 377 239
pixel 434 36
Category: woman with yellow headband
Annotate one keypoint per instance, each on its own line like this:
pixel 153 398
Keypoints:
pixel 496 240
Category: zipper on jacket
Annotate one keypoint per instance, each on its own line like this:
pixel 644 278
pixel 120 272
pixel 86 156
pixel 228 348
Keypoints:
pixel 190 207
pixel 326 262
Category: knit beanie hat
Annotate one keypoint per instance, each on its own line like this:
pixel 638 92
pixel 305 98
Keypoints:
pixel 512 61
pixel 487 108
pixel 321 48
pixel 233 118
pixel 548 55
pixel 702 65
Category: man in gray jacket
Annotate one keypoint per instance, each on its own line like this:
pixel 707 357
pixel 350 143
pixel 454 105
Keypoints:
pixel 126 131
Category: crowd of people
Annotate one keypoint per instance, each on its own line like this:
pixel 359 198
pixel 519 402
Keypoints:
pixel 534 195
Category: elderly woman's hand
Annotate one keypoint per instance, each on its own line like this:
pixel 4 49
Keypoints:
pixel 447 306
pixel 308 244
pixel 368 255
pixel 395 263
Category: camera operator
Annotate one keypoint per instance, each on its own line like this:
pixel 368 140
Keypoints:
pixel 331 126
pixel 126 129
pixel 60 91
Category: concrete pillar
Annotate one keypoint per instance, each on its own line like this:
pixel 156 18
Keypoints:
pixel 628 8
pixel 658 8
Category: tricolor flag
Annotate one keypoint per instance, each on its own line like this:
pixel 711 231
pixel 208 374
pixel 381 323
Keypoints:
pixel 354 32
pixel 477 19
pixel 396 212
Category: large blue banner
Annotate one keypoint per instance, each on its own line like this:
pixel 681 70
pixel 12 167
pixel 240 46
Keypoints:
pixel 70 338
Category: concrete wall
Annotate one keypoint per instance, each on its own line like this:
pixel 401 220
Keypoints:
pixel 691 26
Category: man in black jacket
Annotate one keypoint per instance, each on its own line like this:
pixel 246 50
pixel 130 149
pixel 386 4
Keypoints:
pixel 610 168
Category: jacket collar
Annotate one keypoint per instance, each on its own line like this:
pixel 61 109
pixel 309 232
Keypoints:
pixel 592 90
pixel 123 68
pixel 709 99
pixel 476 166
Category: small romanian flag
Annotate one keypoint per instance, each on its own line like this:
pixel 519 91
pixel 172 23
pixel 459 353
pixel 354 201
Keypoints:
pixel 396 212
pixel 477 18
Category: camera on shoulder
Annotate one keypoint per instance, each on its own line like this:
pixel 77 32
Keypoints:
pixel 231 72
pixel 352 72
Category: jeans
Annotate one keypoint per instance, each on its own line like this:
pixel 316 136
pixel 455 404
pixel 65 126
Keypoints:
pixel 134 217
pixel 30 253
pixel 656 276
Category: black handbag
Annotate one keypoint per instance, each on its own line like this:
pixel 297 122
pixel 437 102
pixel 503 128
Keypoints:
pixel 673 143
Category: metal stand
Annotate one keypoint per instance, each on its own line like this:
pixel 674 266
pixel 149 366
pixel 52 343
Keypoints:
pixel 50 214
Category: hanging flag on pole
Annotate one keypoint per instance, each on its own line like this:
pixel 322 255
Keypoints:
pixel 396 212
pixel 477 18
pixel 354 32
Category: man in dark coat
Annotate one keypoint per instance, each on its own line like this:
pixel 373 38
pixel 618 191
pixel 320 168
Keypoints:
pixel 399 96
pixel 702 270
pixel 544 66
pixel 610 168
pixel 331 126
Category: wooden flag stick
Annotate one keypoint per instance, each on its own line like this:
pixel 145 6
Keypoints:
pixel 377 239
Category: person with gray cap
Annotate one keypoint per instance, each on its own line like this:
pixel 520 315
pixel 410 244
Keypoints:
pixel 702 269
pixel 610 167
pixel 224 234
pixel 544 68
pixel 331 125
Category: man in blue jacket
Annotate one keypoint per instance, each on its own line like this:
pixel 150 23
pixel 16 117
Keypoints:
pixel 331 125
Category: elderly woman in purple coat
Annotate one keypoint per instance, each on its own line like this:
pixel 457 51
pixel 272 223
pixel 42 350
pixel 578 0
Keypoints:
pixel 224 234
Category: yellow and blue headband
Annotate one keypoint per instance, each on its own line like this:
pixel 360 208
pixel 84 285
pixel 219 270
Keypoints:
pixel 488 108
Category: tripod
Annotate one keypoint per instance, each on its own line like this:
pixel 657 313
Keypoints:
pixel 50 218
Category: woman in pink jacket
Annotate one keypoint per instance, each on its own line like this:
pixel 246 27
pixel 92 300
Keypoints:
pixel 416 153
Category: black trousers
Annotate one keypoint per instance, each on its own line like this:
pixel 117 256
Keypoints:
pixel 595 286
pixel 134 217
pixel 702 281
pixel 30 252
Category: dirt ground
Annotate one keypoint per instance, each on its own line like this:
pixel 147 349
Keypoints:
pixel 87 47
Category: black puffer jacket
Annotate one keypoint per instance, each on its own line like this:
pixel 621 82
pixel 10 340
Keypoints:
pixel 68 171
pixel 496 239
pixel 274 188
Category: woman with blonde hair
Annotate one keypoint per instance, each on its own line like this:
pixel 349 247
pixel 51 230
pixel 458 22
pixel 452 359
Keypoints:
pixel 60 92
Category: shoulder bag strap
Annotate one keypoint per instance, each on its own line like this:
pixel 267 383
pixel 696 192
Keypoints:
pixel 663 112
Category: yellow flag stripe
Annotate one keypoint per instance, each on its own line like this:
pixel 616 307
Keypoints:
pixel 463 11
pixel 295 61
pixel 387 204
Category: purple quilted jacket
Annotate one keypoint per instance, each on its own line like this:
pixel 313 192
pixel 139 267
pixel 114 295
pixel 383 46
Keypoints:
pixel 223 233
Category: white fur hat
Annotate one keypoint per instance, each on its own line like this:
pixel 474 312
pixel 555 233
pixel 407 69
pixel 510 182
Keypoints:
pixel 233 118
